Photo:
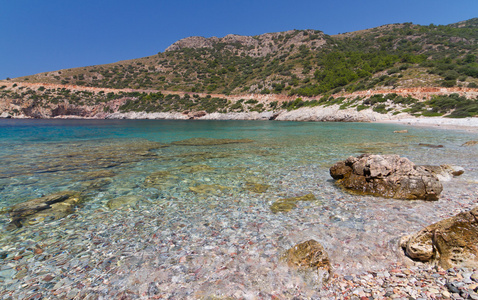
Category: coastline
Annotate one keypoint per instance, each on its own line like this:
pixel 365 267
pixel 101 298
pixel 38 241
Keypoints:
pixel 466 124
pixel 331 113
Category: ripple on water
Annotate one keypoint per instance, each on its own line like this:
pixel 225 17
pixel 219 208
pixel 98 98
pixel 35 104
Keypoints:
pixel 196 221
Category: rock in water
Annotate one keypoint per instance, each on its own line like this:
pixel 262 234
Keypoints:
pixel 445 172
pixel 452 242
pixel 389 176
pixel 470 143
pixel 209 142
pixel 256 187
pixel 54 206
pixel 124 201
pixel 288 204
pixel 309 254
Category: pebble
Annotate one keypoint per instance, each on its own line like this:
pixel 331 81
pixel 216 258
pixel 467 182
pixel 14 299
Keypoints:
pixel 179 245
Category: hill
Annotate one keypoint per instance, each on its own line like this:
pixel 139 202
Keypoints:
pixel 295 63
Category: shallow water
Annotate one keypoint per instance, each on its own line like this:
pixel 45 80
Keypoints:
pixel 190 226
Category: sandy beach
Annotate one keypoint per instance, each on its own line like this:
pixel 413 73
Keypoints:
pixel 467 124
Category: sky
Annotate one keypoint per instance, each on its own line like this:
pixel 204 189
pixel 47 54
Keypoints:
pixel 40 36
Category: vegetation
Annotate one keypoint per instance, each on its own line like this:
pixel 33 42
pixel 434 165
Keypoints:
pixel 298 63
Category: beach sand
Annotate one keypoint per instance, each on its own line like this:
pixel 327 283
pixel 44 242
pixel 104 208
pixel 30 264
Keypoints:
pixel 467 124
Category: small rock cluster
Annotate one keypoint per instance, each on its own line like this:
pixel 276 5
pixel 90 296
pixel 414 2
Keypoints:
pixel 401 282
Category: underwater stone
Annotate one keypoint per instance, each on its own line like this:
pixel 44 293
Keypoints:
pixel 196 169
pixel 122 202
pixel 209 142
pixel 309 254
pixel 54 206
pixel 97 175
pixel 160 180
pixel 208 189
pixel 256 187
pixel 470 143
pixel 287 204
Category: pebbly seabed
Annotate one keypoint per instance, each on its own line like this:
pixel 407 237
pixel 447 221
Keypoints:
pixel 194 219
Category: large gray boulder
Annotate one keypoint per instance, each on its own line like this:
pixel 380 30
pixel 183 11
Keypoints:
pixel 389 176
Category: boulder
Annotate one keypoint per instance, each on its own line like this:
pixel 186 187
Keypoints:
pixel 452 242
pixel 389 176
pixel 309 255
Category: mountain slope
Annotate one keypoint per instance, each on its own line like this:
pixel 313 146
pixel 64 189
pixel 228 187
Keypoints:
pixel 301 62
pixel 298 63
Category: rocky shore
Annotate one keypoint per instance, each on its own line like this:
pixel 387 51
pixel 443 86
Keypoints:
pixel 307 114
pixel 317 114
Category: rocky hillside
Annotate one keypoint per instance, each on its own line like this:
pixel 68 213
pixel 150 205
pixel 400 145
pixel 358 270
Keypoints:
pixel 297 62
pixel 290 69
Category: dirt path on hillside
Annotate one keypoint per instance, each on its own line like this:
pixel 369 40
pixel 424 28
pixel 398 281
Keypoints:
pixel 418 93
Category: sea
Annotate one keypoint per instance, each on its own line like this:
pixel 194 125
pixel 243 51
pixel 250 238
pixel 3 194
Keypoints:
pixel 189 209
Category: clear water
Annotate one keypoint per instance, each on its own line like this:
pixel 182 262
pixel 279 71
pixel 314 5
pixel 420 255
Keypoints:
pixel 175 241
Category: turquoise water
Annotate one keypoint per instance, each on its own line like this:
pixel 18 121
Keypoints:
pixel 188 209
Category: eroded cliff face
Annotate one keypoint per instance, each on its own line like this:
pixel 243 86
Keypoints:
pixel 256 46
pixel 41 100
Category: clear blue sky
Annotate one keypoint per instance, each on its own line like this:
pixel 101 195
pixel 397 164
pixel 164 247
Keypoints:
pixel 38 36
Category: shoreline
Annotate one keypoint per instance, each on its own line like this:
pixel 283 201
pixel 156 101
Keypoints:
pixel 309 114
pixel 465 124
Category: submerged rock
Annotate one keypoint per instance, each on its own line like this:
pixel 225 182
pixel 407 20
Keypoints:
pixel 256 187
pixel 287 204
pixel 470 143
pixel 124 201
pixel 445 172
pixel 452 242
pixel 196 169
pixel 97 175
pixel 430 145
pixel 160 180
pixel 208 189
pixel 389 176
pixel 200 156
pixel 309 255
pixel 209 142
pixel 95 185
pixel 54 206
pixel 89 157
